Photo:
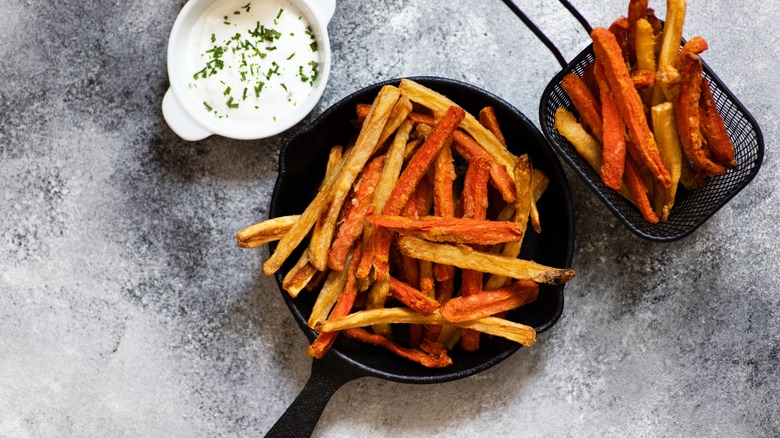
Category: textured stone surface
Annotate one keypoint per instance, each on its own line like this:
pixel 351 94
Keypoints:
pixel 127 310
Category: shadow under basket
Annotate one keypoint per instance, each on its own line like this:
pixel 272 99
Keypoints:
pixel 692 207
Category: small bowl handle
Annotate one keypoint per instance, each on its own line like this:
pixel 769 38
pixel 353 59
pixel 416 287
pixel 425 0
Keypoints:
pixel 326 8
pixel 181 123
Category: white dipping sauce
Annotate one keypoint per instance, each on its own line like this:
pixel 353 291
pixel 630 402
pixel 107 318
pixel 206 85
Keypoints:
pixel 252 61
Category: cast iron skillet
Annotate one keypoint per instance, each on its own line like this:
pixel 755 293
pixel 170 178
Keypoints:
pixel 301 168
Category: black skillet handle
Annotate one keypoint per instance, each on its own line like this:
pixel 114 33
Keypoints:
pixel 327 376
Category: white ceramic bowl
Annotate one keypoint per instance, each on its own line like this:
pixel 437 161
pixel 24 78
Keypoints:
pixel 182 110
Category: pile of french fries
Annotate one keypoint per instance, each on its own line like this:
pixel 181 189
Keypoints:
pixel 647 117
pixel 394 230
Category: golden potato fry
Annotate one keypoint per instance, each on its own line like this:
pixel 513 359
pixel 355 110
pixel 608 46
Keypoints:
pixel 671 152
pixel 439 103
pixel 343 179
pixel 466 257
pixel 267 231
pixel 513 331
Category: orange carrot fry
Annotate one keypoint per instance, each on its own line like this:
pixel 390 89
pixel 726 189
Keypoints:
pixel 643 79
pixel 695 45
pixel 614 156
pixel 474 207
pixel 424 201
pixel 343 306
pixel 422 119
pixel 443 202
pixel 407 183
pixel 687 115
pixel 317 280
pixel 714 128
pixel 410 266
pixel 431 354
pixel 629 103
pixel 636 9
pixel 361 111
pixel 636 186
pixel 352 226
pixel 490 302
pixel 455 230
pixel 488 119
pixel 585 102
pixel 412 297
pixel 469 149
pixel 299 276
pixel 619 28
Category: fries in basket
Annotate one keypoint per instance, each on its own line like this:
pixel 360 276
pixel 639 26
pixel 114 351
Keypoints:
pixel 401 240
pixel 650 122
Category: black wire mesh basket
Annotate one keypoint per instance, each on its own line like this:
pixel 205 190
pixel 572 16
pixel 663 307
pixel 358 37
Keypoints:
pixel 692 207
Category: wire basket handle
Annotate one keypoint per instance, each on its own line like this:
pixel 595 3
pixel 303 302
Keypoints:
pixel 539 34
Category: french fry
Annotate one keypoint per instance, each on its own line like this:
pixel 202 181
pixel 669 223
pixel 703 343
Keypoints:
pixel 394 160
pixel 673 27
pixel 586 104
pixel 443 201
pixel 474 201
pixel 269 230
pixel 343 306
pixel 329 294
pixel 438 103
pixel 377 296
pixel 343 179
pixel 320 243
pixel 643 79
pixel 334 163
pixel 317 280
pixel 489 302
pixel 637 10
pixel 628 101
pixel 454 230
pixel 619 28
pixel 488 119
pixel 352 226
pixel 424 204
pixel 469 149
pixel 524 187
pixel 669 144
pixel 400 112
pixel 449 336
pixel 540 182
pixel 587 146
pixel 714 128
pixel 687 116
pixel 412 297
pixel 636 185
pixel 431 354
pixel 670 47
pixel 299 276
pixel 410 266
pixel 466 257
pixel 614 149
pixel 513 331
pixel 654 21
pixel 645 57
pixel 407 182
pixel 422 119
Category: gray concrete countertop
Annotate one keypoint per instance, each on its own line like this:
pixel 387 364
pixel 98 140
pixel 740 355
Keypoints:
pixel 126 308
